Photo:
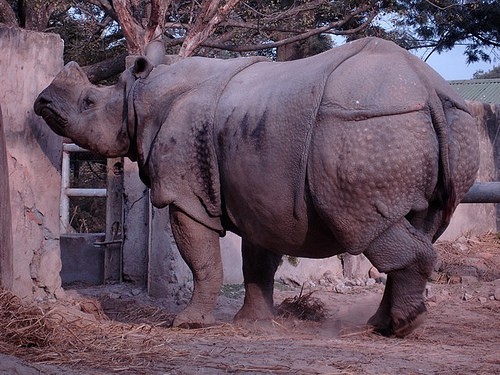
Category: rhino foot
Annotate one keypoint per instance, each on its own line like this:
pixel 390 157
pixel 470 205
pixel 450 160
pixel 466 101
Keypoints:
pixel 404 325
pixel 254 313
pixel 399 325
pixel 192 319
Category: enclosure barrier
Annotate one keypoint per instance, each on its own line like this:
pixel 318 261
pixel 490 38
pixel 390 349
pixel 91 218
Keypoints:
pixel 483 192
pixel 67 191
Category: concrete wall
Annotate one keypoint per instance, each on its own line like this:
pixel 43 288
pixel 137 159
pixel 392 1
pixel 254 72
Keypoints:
pixel 477 218
pixel 136 217
pixel 5 216
pixel 28 63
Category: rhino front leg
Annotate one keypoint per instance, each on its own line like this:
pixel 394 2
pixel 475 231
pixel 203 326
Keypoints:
pixel 408 258
pixel 200 249
pixel 259 267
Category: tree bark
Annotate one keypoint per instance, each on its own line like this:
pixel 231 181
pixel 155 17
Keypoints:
pixel 7 15
pixel 211 15
pixel 35 14
pixel 105 69
pixel 137 35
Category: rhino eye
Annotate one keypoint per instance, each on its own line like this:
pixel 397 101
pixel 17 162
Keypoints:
pixel 87 103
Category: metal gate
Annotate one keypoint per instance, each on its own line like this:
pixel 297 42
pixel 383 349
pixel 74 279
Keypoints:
pixel 92 258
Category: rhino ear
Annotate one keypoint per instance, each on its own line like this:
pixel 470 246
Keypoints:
pixel 142 67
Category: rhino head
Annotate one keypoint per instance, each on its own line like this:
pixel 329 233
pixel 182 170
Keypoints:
pixel 94 117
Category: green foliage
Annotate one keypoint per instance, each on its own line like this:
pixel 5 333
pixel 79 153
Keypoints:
pixel 89 35
pixel 91 32
pixel 442 24
pixel 493 73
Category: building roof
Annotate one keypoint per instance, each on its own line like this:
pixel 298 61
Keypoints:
pixel 482 90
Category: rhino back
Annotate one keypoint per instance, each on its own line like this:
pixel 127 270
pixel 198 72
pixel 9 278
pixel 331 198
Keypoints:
pixel 361 111
pixel 263 125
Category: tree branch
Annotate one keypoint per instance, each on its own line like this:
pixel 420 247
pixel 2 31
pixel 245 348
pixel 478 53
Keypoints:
pixel 211 15
pixel 133 31
pixel 301 36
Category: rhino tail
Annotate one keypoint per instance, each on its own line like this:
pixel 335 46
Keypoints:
pixel 445 195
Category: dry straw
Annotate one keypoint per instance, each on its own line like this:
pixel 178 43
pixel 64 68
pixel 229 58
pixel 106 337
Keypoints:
pixel 303 307
pixel 61 335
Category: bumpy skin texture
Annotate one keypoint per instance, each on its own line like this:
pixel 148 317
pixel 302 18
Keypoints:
pixel 362 149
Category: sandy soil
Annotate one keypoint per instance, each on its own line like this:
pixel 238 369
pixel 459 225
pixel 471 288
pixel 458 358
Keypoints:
pixel 460 336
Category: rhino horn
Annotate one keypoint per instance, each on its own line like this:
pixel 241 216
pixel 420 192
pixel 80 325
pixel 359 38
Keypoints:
pixel 72 73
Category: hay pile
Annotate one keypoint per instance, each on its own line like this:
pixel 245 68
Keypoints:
pixel 62 336
pixel 480 254
pixel 303 307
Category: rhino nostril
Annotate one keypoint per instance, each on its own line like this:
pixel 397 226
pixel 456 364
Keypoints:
pixel 40 103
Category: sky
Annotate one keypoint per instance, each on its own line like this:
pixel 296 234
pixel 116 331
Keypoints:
pixel 452 65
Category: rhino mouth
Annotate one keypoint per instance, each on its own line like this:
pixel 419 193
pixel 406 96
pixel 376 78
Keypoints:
pixel 57 122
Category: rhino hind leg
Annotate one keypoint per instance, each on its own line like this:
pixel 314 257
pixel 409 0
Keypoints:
pixel 200 249
pixel 408 257
pixel 259 267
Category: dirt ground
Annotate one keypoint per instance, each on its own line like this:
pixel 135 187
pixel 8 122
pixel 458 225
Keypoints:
pixel 118 329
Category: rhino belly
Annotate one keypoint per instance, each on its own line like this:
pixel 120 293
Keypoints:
pixel 262 212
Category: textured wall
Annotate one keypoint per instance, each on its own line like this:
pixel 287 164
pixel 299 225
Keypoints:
pixel 28 63
pixel 5 218
pixel 477 218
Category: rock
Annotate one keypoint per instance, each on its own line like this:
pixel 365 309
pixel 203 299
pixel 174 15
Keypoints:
pixel 428 291
pixel 466 296
pixel 342 289
pixel 309 284
pixel 478 263
pixel 454 280
pixel 374 273
pixel 497 294
pixel 462 247
pixel 468 279
pixel 136 291
pixel 483 299
pixel 350 283
pixel 370 282
pixel 435 276
pixel 438 265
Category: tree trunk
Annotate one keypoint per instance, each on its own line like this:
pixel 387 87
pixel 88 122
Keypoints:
pixel 7 15
pixel 105 69
pixel 35 14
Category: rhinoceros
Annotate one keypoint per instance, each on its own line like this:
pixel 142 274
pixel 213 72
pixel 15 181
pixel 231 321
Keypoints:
pixel 360 149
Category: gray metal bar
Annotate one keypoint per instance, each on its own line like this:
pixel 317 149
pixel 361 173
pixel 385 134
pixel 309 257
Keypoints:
pixel 483 192
pixel 85 192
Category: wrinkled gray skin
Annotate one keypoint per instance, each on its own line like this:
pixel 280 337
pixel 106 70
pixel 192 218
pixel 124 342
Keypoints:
pixel 362 149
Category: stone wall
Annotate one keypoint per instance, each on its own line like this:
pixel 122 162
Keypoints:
pixel 28 63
